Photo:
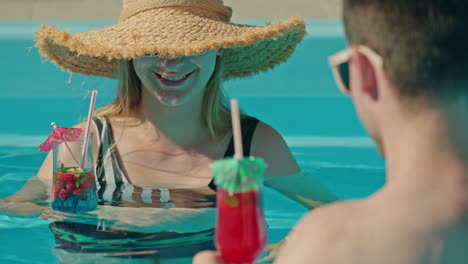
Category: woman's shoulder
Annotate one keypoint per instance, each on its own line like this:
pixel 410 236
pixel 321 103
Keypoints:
pixel 265 135
pixel 94 125
pixel 268 144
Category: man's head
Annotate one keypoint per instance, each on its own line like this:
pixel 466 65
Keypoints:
pixel 423 45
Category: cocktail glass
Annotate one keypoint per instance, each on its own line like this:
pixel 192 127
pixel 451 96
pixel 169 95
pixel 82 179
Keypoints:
pixel 240 226
pixel 74 187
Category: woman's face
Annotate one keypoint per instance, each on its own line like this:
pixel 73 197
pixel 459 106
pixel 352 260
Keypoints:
pixel 178 80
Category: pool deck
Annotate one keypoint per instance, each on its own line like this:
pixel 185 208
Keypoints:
pixel 110 9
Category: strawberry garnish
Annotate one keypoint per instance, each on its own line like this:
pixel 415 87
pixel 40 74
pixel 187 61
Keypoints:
pixel 66 176
pixel 70 186
pixel 55 191
pixel 63 194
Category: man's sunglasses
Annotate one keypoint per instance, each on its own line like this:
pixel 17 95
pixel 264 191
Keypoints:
pixel 339 63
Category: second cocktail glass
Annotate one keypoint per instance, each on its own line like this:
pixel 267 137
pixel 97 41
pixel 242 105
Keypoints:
pixel 74 188
pixel 240 225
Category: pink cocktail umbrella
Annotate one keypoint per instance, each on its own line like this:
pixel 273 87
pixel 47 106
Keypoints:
pixel 64 134
pixel 60 134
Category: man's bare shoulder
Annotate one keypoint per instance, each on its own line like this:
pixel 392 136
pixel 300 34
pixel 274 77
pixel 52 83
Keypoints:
pixel 321 229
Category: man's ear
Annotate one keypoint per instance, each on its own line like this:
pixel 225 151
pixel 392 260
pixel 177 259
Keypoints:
pixel 366 74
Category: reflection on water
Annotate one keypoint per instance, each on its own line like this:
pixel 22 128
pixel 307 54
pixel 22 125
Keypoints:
pixel 87 238
pixel 141 223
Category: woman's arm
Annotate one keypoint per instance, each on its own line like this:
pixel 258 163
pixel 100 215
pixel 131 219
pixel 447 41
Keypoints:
pixel 26 202
pixel 283 174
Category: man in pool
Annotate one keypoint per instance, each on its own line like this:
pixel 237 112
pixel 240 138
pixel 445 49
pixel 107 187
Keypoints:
pixel 406 69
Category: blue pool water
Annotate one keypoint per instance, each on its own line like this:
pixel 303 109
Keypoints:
pixel 298 98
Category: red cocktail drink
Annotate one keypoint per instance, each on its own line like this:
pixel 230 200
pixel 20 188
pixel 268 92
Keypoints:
pixel 240 230
pixel 240 225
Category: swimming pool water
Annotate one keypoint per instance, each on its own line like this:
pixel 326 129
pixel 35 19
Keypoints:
pixel 298 98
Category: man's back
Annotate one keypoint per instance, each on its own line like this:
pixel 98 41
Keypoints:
pixel 394 227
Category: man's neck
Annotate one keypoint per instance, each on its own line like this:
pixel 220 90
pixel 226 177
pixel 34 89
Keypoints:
pixel 430 150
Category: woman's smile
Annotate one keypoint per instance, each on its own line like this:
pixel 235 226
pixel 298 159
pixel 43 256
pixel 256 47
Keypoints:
pixel 176 81
pixel 173 79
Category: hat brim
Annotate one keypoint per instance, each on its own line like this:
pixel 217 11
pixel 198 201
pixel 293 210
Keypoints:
pixel 172 33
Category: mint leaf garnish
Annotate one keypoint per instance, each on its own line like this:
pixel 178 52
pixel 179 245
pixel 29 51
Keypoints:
pixel 62 168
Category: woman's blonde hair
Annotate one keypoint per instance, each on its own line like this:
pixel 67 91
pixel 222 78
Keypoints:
pixel 215 112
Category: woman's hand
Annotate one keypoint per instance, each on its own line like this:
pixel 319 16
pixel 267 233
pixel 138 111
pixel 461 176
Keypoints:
pixel 29 209
pixel 26 202
pixel 208 257
pixel 20 209
pixel 212 257
pixel 273 249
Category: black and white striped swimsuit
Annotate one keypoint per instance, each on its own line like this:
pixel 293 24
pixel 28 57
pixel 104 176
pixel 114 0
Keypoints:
pixel 115 189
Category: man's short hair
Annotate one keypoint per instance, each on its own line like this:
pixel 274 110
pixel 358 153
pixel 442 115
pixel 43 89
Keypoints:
pixel 424 43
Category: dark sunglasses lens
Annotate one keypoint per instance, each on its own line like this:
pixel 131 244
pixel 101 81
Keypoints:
pixel 151 55
pixel 344 72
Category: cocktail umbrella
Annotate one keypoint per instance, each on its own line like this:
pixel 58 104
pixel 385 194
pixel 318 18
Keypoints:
pixel 60 134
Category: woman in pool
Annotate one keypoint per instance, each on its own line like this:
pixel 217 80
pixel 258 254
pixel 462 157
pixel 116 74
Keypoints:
pixel 169 120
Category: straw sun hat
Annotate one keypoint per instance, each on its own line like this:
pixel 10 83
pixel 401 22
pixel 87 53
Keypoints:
pixel 173 28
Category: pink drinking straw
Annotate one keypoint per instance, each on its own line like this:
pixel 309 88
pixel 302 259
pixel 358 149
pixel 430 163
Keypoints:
pixel 236 130
pixel 88 125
